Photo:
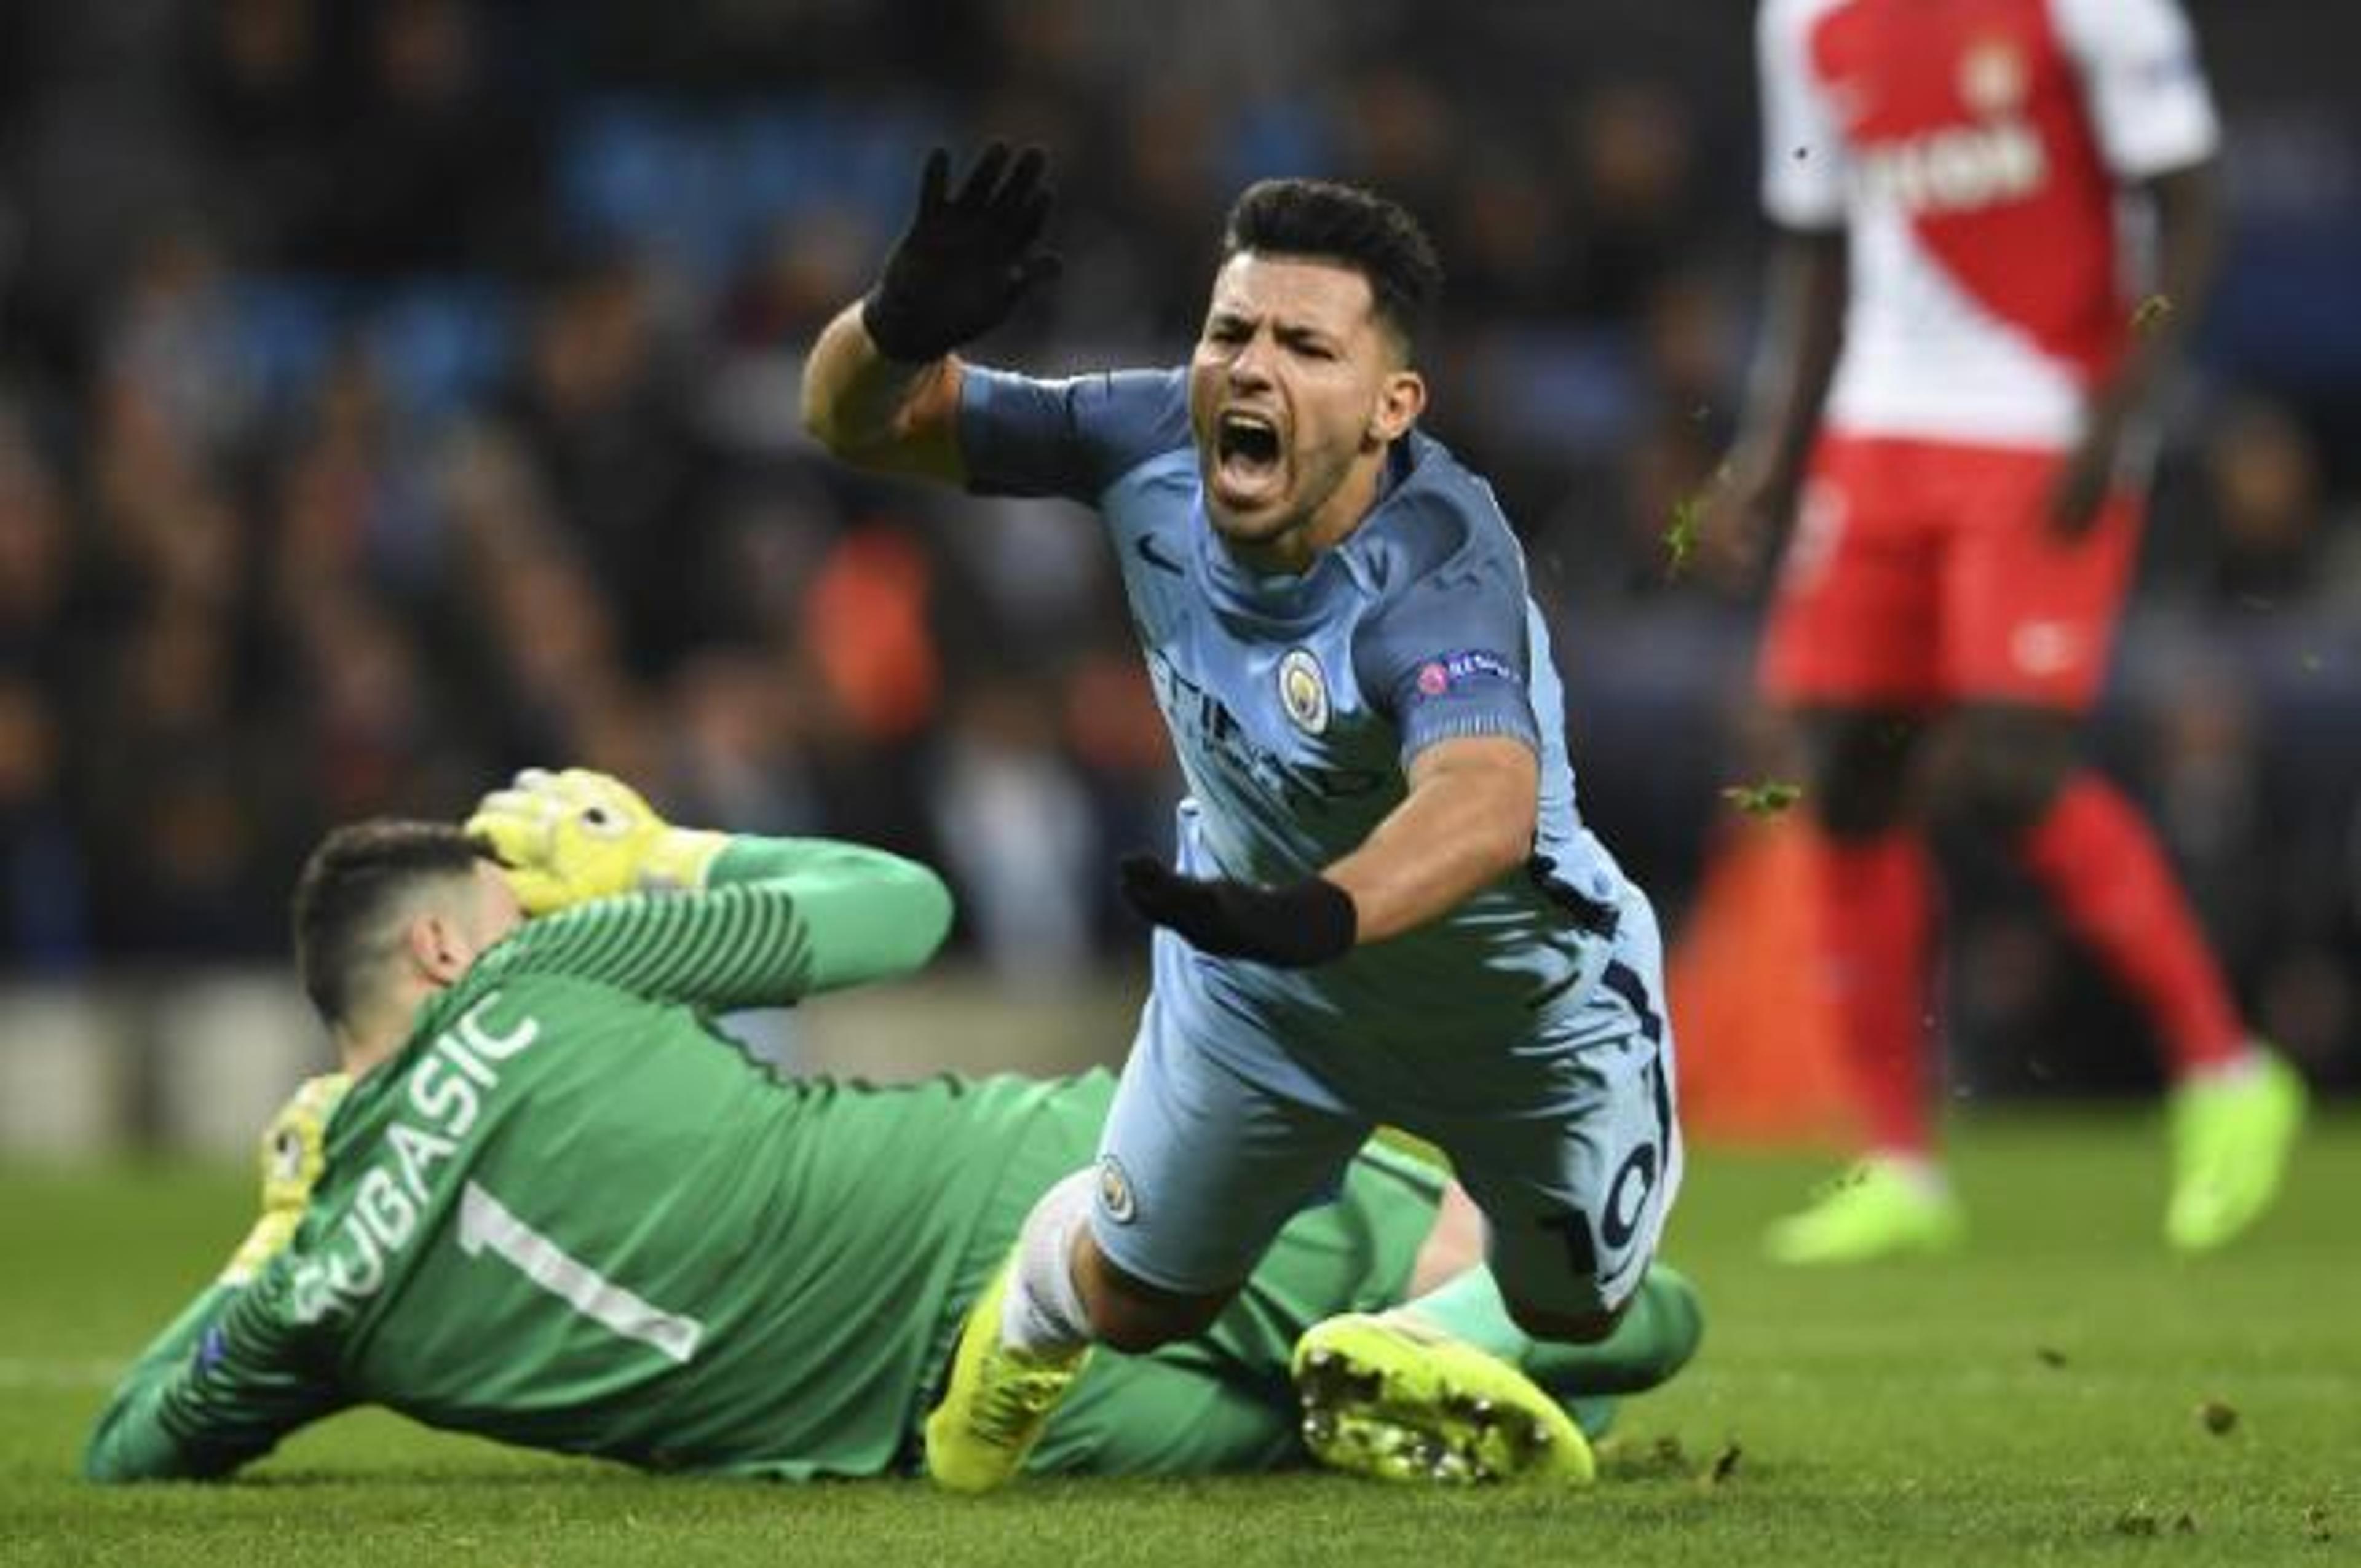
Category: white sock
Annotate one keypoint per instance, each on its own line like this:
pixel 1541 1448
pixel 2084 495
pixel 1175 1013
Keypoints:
pixel 1918 1170
pixel 1043 1314
pixel 2236 1072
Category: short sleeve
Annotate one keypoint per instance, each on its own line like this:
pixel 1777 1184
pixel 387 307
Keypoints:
pixel 2145 88
pixel 1804 152
pixel 1023 436
pixel 1449 657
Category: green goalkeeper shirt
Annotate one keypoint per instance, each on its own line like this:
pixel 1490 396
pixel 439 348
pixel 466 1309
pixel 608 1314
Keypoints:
pixel 568 1213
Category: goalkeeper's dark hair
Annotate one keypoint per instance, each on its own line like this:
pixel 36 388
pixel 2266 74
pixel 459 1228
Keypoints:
pixel 1325 220
pixel 351 886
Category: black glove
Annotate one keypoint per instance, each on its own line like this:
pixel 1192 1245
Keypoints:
pixel 1306 923
pixel 965 260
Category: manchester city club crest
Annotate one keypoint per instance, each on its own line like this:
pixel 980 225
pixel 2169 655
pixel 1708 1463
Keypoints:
pixel 1303 691
pixel 1115 1191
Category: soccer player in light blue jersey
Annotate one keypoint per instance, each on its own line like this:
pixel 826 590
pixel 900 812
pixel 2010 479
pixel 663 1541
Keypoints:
pixel 1386 908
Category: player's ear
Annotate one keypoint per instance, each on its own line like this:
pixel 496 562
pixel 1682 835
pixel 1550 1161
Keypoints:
pixel 438 946
pixel 1400 401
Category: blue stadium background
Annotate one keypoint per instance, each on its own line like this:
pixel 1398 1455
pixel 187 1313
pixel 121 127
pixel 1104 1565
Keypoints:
pixel 396 392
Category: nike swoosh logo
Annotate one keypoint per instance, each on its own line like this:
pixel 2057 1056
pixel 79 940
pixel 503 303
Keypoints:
pixel 1145 547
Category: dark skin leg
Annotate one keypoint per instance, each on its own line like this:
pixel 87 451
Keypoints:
pixel 1131 1315
pixel 2005 765
pixel 2001 767
pixel 1861 767
pixel 1570 1327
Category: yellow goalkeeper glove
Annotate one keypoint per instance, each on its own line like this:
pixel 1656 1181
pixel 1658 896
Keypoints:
pixel 566 838
pixel 293 1149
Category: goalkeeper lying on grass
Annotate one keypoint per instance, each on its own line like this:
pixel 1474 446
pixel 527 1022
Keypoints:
pixel 547 1203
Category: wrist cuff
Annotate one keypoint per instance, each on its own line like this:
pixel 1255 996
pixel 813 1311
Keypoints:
pixel 680 858
pixel 896 338
pixel 1313 922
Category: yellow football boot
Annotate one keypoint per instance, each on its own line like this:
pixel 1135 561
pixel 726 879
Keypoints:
pixel 2231 1138
pixel 1387 1396
pixel 999 1401
pixel 1876 1210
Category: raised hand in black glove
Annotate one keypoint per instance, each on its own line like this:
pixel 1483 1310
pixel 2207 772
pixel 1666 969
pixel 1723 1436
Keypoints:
pixel 965 260
pixel 1306 923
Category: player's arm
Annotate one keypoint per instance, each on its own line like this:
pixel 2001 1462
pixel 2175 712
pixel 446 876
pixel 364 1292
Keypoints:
pixel 1447 659
pixel 217 1389
pixel 810 923
pixel 880 414
pixel 1803 332
pixel 2188 256
pixel 771 920
pixel 881 386
pixel 1467 821
pixel 2157 129
pixel 707 919
pixel 867 914
pixel 225 1381
pixel 2187 249
pixel 1804 192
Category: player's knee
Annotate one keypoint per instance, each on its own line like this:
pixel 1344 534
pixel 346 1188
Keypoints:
pixel 1135 1327
pixel 1555 1324
pixel 1854 807
pixel 1861 769
pixel 2004 769
pixel 1133 1317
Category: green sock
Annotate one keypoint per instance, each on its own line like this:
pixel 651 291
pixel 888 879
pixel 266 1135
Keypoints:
pixel 1658 1333
pixel 1468 1307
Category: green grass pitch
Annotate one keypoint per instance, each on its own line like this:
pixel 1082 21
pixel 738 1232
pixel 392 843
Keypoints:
pixel 2036 1399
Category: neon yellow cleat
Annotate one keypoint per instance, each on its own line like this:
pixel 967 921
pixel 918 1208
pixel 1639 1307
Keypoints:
pixel 1875 1209
pixel 1388 1398
pixel 999 1401
pixel 2231 1138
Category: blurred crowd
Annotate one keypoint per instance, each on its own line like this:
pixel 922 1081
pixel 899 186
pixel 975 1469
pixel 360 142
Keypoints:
pixel 397 392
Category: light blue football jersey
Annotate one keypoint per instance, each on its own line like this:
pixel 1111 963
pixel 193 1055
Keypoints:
pixel 1295 704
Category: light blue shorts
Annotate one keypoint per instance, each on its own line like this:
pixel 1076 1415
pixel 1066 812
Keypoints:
pixel 1570 1146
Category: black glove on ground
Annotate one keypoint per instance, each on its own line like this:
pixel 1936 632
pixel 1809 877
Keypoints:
pixel 1306 923
pixel 965 260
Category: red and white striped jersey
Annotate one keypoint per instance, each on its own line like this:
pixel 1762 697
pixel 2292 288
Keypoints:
pixel 1973 151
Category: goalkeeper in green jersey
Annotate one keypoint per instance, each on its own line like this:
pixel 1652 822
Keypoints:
pixel 546 1202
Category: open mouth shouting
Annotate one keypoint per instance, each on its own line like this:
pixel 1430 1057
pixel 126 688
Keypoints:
pixel 1249 467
